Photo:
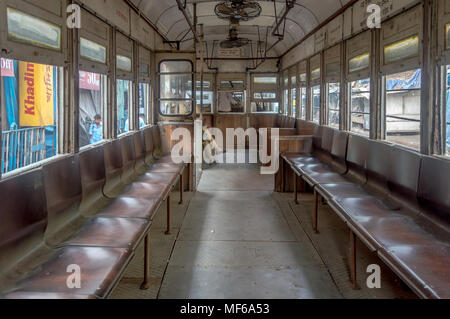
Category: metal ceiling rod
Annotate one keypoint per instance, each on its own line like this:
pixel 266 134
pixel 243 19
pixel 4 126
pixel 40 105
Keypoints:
pixel 289 5
pixel 182 8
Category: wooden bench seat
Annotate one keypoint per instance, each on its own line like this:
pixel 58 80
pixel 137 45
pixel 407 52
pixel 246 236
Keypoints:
pixel 395 200
pixel 86 210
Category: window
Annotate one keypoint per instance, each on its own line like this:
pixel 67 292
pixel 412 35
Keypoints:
pixel 333 104
pixel 447 112
pixel 208 96
pixel 33 107
pixel 303 77
pixel 401 50
pixel 303 100
pixel 315 74
pixel 232 102
pixel 403 108
pixel 26 28
pixel 92 105
pixel 92 51
pixel 315 100
pixel 294 102
pixel 124 63
pixel 360 107
pixel 232 84
pixel 286 102
pixel 144 104
pixel 175 88
pixel 265 102
pixel 124 103
pixel 359 63
pixel 265 80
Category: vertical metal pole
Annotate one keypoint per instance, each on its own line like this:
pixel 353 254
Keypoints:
pixel 112 109
pixel 352 259
pixel 136 87
pixel 73 129
pixel 316 212
pixel 343 88
pixel 168 215
pixel 375 118
pixel 146 283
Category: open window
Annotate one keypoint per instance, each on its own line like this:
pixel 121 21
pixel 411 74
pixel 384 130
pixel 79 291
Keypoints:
pixel 124 84
pixel 285 92
pixel 293 91
pixel 32 106
pixel 402 76
pixel 205 102
pixel 333 85
pixel 264 97
pixel 232 93
pixel 144 89
pixel 302 87
pixel 94 61
pixel 315 88
pixel 358 76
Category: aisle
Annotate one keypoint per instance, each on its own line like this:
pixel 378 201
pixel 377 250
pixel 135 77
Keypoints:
pixel 236 242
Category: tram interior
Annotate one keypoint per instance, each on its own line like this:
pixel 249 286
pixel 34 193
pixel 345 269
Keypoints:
pixel 119 163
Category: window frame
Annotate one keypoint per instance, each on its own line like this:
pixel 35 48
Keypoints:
pixel 193 88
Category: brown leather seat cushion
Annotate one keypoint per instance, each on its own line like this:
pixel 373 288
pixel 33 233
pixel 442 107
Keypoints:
pixel 341 191
pixel 111 232
pixel 145 191
pixel 128 207
pixel 100 269
pixel 426 267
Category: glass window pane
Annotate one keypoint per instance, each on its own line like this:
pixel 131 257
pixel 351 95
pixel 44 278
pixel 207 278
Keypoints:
pixel 334 90
pixel 265 107
pixel 402 50
pixel 265 80
pixel 286 102
pixel 124 102
pixel 172 108
pixel 303 77
pixel 124 63
pixel 176 86
pixel 31 108
pixel 144 69
pixel 91 107
pixel 333 69
pixel 447 36
pixel 358 63
pixel 403 108
pixel 92 51
pixel 360 107
pixel 231 102
pixel 176 67
pixel 294 102
pixel 29 29
pixel 207 100
pixel 265 96
pixel 144 104
pixel 315 74
pixel 315 99
pixel 232 84
pixel 303 101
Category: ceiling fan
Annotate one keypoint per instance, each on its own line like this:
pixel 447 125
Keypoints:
pixel 240 10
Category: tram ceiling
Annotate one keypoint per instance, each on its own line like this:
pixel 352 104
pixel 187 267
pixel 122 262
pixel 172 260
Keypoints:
pixel 280 24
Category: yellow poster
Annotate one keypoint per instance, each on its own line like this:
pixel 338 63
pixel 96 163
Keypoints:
pixel 36 95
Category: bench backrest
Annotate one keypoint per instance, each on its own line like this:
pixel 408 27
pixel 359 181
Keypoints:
pixel 93 178
pixel 403 178
pixel 378 167
pixel 139 150
pixel 157 147
pixel 113 166
pixel 339 151
pixel 63 191
pixel 324 153
pixel 23 215
pixel 434 189
pixel 149 145
pixel 128 158
pixel 357 158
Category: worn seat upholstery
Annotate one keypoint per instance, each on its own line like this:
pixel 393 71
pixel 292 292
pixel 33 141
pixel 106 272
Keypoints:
pixel 28 267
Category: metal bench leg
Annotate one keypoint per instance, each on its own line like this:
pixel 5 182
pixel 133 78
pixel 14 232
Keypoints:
pixel 295 189
pixel 168 215
pixel 146 284
pixel 353 259
pixel 181 189
pixel 316 212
